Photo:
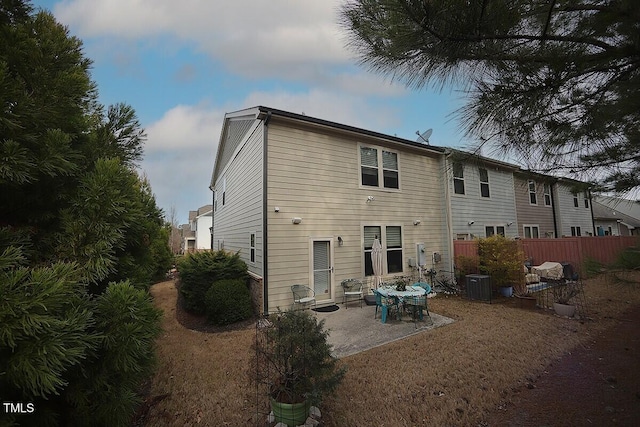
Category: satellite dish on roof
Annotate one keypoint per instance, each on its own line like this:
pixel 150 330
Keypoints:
pixel 424 137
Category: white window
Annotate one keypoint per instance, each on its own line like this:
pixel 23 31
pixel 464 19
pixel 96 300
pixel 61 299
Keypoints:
pixel 586 200
pixel 490 230
pixel 547 195
pixel 458 178
pixel 460 236
pixel 531 231
pixel 390 238
pixel 252 247
pixel 484 182
pixel 533 197
pixel 576 231
pixel 575 200
pixel 371 172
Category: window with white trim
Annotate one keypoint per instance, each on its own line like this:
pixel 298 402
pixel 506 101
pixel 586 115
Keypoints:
pixel 576 231
pixel 531 231
pixel 377 166
pixel 252 247
pixel 484 182
pixel 575 201
pixel 533 197
pixel 390 237
pixel 458 178
pixel 586 200
pixel 547 195
pixel 490 230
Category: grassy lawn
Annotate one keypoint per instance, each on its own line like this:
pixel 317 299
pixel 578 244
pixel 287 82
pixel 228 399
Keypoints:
pixel 453 375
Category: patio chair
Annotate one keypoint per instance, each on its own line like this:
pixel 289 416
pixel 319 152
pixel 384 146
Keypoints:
pixel 416 305
pixel 427 290
pixel 385 304
pixel 303 295
pixel 352 288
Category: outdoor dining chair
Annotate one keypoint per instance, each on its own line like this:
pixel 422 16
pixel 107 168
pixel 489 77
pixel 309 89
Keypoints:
pixel 352 288
pixel 416 305
pixel 386 305
pixel 303 295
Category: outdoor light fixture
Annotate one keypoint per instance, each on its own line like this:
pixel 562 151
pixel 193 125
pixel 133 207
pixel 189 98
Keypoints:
pixel 276 209
pixel 296 220
pixel 340 241
pixel 370 199
pixel 510 223
pixel 416 222
pixel 471 223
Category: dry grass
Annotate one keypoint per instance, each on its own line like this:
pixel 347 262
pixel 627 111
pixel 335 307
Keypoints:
pixel 452 375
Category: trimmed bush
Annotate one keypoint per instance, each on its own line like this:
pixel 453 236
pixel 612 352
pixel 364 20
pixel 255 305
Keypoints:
pixel 228 301
pixel 199 270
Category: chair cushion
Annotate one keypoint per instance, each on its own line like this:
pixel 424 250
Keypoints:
pixel 306 299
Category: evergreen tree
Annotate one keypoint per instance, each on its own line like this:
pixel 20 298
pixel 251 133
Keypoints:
pixel 555 81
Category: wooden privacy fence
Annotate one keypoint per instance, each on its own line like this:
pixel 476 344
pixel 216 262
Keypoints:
pixel 574 250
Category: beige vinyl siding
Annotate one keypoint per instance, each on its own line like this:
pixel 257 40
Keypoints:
pixel 539 214
pixel 569 215
pixel 496 210
pixel 315 176
pixel 242 213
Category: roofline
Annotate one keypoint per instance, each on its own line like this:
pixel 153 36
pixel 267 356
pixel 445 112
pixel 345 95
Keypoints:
pixel 321 122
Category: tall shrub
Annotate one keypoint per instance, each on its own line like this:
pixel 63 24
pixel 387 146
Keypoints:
pixel 228 301
pixel 198 271
pixel 503 260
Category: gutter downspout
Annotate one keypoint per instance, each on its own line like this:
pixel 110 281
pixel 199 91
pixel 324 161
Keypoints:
pixel 593 222
pixel 265 258
pixel 553 210
pixel 449 220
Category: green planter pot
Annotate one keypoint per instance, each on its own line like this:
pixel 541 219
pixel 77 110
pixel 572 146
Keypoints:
pixel 292 414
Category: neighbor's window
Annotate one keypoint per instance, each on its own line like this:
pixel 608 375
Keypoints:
pixel 458 178
pixel 575 200
pixel 575 231
pixel 490 230
pixel 533 197
pixel 586 199
pixel 484 182
pixel 370 172
pixel 531 232
pixel 547 195
pixel 252 247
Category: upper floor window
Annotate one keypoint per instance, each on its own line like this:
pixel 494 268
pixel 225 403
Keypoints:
pixel 575 200
pixel 372 174
pixel 484 182
pixel 458 178
pixel 547 195
pixel 586 200
pixel 533 197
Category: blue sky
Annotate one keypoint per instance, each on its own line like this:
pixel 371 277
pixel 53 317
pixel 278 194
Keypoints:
pixel 183 64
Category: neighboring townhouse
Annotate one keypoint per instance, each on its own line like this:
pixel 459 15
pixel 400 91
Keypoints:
pixel 188 237
pixel 201 222
pixel 481 196
pixel 535 205
pixel 302 200
pixel 573 208
pixel 611 221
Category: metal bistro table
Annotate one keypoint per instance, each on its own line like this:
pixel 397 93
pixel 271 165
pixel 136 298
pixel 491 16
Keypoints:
pixel 410 292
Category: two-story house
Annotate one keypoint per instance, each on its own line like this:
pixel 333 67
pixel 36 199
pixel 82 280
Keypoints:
pixel 535 205
pixel 481 196
pixel 303 199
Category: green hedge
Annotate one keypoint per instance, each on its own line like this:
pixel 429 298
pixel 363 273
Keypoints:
pixel 200 270
pixel 228 301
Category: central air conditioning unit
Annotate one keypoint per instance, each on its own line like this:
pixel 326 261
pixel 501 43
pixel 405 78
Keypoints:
pixel 478 287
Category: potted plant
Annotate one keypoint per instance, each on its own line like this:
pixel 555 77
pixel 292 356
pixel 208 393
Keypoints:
pixel 503 260
pixel 296 363
pixel 563 297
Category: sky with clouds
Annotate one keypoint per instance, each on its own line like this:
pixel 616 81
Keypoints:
pixel 183 64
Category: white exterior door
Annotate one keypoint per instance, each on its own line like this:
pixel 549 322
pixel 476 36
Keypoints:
pixel 322 269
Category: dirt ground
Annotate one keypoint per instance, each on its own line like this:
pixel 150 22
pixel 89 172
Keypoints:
pixel 596 384
pixel 586 373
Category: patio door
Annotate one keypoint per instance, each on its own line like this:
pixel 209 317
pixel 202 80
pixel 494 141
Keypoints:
pixel 321 273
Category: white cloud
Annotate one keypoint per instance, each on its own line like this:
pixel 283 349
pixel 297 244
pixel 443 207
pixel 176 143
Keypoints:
pixel 248 36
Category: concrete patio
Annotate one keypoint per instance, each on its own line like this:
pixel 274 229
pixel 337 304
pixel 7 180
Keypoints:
pixel 353 329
